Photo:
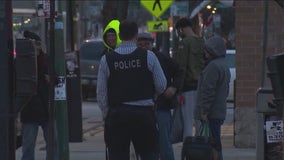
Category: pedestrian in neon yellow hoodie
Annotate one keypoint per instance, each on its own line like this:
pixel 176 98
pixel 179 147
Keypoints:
pixel 111 36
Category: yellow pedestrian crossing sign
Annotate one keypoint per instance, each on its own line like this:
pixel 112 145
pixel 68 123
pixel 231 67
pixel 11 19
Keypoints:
pixel 158 26
pixel 156 7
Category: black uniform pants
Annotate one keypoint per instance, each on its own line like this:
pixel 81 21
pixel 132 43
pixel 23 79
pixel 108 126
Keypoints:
pixel 136 124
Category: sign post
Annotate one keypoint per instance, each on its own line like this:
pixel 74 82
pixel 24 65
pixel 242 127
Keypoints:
pixel 157 8
pixel 51 108
pixel 57 103
pixel 60 89
pixel 44 6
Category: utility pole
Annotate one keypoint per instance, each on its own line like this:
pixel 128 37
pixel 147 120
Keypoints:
pixel 51 108
pixel 73 81
pixel 7 129
pixel 60 101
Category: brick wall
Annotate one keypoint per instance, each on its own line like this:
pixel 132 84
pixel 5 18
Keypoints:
pixel 249 50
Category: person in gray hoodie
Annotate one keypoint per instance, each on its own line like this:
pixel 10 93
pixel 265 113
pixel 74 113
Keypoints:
pixel 213 89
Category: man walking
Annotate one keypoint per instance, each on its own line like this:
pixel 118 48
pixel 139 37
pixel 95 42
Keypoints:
pixel 128 79
pixel 35 112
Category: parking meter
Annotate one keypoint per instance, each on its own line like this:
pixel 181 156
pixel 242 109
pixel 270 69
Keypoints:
pixel 74 98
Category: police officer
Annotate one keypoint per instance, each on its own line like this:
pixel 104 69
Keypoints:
pixel 128 79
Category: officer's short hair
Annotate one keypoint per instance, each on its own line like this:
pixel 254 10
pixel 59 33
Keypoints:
pixel 182 23
pixel 128 30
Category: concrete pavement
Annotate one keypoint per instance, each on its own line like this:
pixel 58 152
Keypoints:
pixel 93 147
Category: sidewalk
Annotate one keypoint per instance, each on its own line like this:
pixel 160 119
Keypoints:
pixel 94 139
pixel 93 147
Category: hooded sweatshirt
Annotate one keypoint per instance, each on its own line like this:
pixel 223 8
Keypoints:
pixel 114 24
pixel 213 86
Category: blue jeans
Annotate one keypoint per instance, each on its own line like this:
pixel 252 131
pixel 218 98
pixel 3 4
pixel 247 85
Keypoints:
pixel 215 126
pixel 164 118
pixel 187 111
pixel 29 133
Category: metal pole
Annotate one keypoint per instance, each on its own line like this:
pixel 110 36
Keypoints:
pixel 60 96
pixel 6 91
pixel 264 45
pixel 51 107
pixel 70 23
pixel 12 109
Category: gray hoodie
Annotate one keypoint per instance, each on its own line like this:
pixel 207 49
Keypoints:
pixel 213 86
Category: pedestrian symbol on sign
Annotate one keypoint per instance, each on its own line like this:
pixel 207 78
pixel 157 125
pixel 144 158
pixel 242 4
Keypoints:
pixel 157 26
pixel 156 7
pixel 157 2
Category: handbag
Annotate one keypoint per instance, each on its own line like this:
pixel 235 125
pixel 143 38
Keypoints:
pixel 199 147
pixel 177 126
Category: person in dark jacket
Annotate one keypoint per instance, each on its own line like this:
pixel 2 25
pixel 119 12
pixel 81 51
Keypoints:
pixel 189 55
pixel 167 100
pixel 213 89
pixel 35 112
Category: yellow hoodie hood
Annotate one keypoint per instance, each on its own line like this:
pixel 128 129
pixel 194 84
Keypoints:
pixel 114 24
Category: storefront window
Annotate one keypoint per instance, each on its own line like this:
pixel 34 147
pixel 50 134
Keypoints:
pixel 219 19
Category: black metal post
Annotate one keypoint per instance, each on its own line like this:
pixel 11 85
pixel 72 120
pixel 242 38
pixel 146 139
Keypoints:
pixel 51 69
pixel 7 130
pixel 70 22
pixel 265 37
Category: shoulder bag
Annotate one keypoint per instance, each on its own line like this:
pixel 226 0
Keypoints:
pixel 199 147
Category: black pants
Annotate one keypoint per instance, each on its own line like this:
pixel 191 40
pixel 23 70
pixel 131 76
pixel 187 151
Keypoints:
pixel 136 124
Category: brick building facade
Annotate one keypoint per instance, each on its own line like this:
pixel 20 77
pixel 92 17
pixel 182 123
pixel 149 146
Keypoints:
pixel 250 73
